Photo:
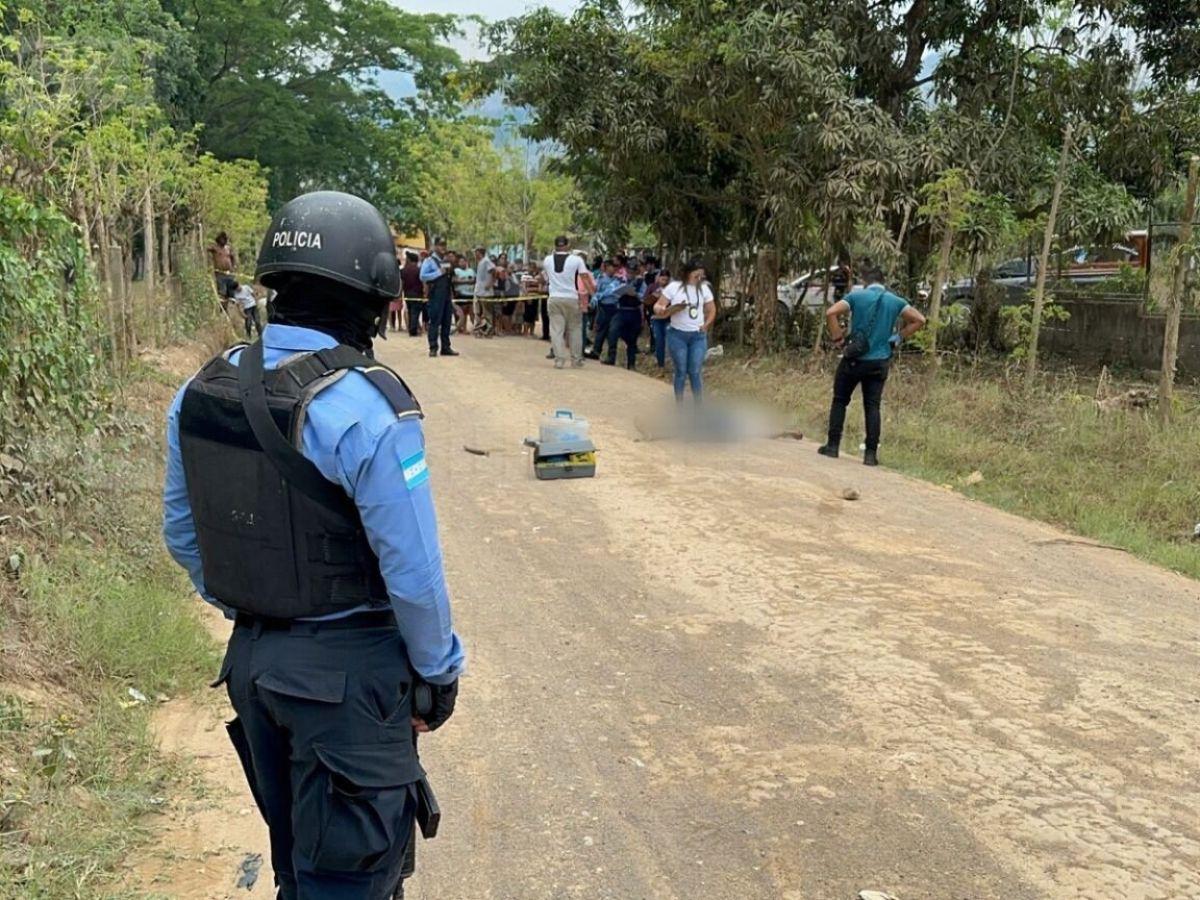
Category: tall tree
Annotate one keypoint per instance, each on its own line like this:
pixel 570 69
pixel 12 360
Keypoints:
pixel 295 86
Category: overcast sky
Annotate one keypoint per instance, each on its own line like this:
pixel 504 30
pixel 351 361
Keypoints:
pixel 488 9
pixel 400 85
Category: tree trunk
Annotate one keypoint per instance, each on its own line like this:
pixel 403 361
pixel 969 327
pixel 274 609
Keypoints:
pixel 85 227
pixel 903 230
pixel 128 305
pixel 939 282
pixel 825 304
pixel 108 294
pixel 1166 382
pixel 151 267
pixel 766 299
pixel 164 245
pixel 120 301
pixel 1039 292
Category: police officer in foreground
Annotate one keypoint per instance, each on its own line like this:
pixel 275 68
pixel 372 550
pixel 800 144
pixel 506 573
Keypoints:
pixel 297 498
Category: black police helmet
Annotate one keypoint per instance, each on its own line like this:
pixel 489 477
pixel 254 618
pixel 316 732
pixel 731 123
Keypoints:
pixel 334 235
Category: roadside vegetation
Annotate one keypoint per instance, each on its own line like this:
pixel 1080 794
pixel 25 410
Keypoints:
pixel 1052 453
pixel 97 627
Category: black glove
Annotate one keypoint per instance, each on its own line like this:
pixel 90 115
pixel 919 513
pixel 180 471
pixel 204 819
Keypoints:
pixel 435 702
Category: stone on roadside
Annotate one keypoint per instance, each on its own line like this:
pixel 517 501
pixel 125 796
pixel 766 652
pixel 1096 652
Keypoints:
pixel 850 494
pixel 876 895
pixel 974 478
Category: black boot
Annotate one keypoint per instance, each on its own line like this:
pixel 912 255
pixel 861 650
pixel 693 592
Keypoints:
pixel 830 450
pixel 871 457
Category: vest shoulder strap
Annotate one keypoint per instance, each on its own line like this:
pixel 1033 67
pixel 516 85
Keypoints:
pixel 316 366
pixel 291 464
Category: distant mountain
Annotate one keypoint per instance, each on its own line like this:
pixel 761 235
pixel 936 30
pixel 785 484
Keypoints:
pixel 509 119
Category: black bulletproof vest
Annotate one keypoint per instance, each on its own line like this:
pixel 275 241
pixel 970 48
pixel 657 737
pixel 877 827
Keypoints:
pixel 277 539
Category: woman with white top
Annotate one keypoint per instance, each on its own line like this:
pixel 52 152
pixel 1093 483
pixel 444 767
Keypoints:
pixel 688 303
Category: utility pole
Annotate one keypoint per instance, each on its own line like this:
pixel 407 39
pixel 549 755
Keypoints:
pixel 1166 382
pixel 1039 293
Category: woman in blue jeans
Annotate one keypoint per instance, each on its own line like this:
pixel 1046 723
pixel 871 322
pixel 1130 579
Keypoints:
pixel 688 303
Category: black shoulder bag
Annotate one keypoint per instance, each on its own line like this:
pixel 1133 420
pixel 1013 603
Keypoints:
pixel 859 341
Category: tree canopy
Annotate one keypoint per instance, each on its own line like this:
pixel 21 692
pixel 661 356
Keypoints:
pixel 808 125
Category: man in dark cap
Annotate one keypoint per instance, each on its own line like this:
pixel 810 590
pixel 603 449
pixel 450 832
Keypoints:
pixel 437 273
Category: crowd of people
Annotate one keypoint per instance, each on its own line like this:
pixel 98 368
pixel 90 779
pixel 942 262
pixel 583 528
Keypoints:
pixel 585 310
pixel 588 310
pixel 449 292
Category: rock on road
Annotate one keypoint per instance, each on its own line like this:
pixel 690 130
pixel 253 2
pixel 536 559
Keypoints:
pixel 703 674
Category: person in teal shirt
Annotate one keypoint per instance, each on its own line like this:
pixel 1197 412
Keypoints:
pixel 875 312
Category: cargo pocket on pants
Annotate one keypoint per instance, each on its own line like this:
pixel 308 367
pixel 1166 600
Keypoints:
pixel 237 737
pixel 361 799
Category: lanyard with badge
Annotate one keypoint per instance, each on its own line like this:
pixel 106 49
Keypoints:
pixel 693 310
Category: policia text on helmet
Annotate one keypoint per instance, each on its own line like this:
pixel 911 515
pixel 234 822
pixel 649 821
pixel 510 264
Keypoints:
pixel 324 549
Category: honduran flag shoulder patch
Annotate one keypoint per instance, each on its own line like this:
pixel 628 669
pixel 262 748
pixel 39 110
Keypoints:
pixel 416 471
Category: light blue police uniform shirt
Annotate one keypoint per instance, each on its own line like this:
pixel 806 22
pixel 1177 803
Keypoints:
pixel 352 434
pixel 607 288
pixel 431 268
pixel 862 308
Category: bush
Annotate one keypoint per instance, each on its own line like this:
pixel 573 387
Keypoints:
pixel 50 340
pixel 1017 324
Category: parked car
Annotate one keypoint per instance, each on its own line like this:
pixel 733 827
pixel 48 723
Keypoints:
pixel 1016 276
pixel 1079 266
pixel 812 291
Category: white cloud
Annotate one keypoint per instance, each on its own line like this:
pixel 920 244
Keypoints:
pixel 469 46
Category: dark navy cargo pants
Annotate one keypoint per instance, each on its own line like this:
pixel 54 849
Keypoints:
pixel 324 732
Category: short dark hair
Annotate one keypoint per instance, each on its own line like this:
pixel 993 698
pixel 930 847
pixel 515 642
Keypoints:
pixel 409 256
pixel 439 241
pixel 872 274
pixel 561 241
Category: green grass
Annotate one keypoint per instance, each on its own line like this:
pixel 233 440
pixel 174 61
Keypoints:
pixel 98 608
pixel 1116 477
pixel 76 800
pixel 119 622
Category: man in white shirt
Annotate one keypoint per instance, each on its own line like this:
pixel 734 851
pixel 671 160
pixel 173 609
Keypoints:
pixel 244 295
pixel 485 286
pixel 561 269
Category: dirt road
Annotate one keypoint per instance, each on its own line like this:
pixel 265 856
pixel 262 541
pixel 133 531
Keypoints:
pixel 703 674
